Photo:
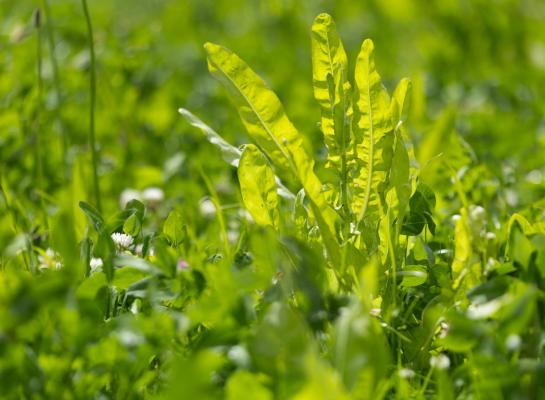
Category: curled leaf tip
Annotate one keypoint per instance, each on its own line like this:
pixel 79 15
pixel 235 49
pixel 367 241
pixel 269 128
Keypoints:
pixel 323 18
pixel 210 47
pixel 368 45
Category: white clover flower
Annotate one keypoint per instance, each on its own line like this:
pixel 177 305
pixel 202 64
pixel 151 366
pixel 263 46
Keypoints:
pixel 440 362
pixel 406 373
pixel 122 240
pixel 50 259
pixel 232 236
pixel 208 208
pixel 513 342
pixel 477 213
pixel 153 195
pixel 375 312
pixel 490 236
pixel 96 264
pixel 444 330
pixel 128 195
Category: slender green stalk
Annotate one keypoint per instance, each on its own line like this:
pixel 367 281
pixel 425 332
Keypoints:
pixel 219 213
pixel 37 134
pixel 92 91
pixel 56 80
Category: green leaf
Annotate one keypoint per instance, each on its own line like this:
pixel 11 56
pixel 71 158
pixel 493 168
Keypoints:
pixel 463 333
pixel 244 385
pixel 129 261
pixel 421 205
pixel 399 192
pixel 90 286
pixel 132 225
pixel 331 88
pixel 230 153
pixel 258 187
pixel 125 277
pixel 414 275
pixel 93 214
pixel 373 133
pixel 174 228
pixel 398 104
pixel 359 351
pixel 519 311
pixel 265 120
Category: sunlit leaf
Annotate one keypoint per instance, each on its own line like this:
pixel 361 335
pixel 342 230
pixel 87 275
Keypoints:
pixel 258 187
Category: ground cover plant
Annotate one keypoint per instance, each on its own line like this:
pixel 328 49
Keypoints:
pixel 371 254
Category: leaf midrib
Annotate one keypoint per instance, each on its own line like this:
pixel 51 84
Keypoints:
pixel 371 145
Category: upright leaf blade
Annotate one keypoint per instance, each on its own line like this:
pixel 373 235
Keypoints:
pixel 398 104
pixel 260 109
pixel 373 133
pixel 258 187
pixel 331 88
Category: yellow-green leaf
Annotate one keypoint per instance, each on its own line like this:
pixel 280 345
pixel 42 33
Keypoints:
pixel 398 104
pixel 258 187
pixel 331 88
pixel 260 109
pixel 373 132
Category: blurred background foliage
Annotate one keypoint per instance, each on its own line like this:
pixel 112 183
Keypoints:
pixel 485 59
pixel 477 67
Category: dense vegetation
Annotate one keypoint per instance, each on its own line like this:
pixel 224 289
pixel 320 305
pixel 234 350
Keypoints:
pixel 360 243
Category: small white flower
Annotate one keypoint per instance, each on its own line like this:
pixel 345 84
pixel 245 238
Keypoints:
pixel 153 195
pixel 477 213
pixel 406 373
pixel 513 342
pixel 232 236
pixel 49 260
pixel 375 312
pixel 444 330
pixel 208 208
pixel 96 264
pixel 128 195
pixel 440 362
pixel 122 240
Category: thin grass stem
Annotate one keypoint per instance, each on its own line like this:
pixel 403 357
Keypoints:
pixel 92 92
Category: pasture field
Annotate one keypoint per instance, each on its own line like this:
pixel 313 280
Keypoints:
pixel 274 199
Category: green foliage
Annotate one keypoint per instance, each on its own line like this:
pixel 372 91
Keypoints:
pixel 391 251
pixel 258 187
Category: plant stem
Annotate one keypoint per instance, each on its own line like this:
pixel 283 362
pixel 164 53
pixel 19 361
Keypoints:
pixel 56 81
pixel 92 91
pixel 37 127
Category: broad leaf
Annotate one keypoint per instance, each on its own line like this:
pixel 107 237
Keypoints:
pixel 258 187
pixel 174 228
pixel 373 132
pixel 414 275
pixel 331 90
pixel 421 205
pixel 93 214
